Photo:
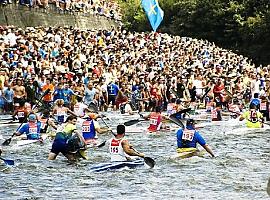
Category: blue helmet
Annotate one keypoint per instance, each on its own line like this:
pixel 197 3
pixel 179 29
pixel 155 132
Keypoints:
pixel 190 122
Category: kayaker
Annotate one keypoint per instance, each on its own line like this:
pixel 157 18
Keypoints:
pixel 90 128
pixel 216 112
pixel 234 108
pixel 46 121
pixel 172 107
pixel 21 112
pixel 69 142
pixel 60 111
pixel 80 108
pixel 31 128
pixel 119 147
pixel 155 120
pixel 254 119
pixel 189 137
pixel 256 101
pixel 125 107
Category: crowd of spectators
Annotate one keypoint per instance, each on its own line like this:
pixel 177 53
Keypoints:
pixel 109 67
pixel 107 8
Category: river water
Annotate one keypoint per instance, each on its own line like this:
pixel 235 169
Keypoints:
pixel 240 170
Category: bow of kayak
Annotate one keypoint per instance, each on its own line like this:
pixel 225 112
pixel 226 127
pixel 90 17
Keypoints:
pixel 117 165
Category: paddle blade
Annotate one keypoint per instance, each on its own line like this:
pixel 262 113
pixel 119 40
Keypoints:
pixel 149 161
pixel 101 144
pixel 131 122
pixel 177 121
pixel 7 162
pixel 206 92
pixel 178 114
pixel 7 142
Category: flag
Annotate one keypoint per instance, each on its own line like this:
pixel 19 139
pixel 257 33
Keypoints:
pixel 154 12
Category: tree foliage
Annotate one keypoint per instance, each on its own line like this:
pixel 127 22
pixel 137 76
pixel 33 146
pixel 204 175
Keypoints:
pixel 242 25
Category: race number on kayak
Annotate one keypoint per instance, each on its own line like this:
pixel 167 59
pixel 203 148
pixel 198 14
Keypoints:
pixel 188 135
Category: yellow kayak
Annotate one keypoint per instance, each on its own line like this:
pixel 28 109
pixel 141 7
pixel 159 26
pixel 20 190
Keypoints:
pixel 187 153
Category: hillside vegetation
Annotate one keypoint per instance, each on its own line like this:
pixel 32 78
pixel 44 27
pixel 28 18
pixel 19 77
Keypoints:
pixel 243 26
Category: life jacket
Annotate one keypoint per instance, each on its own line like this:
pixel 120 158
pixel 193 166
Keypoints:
pixel 33 132
pixel 155 122
pixel 61 113
pixel 187 137
pixel 253 117
pixel 88 130
pixel 116 150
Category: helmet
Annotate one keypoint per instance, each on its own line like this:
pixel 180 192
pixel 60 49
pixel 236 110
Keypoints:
pixel 121 129
pixel 190 122
pixel 32 117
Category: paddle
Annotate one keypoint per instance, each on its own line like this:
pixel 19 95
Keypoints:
pixel 177 115
pixel 134 121
pixel 7 141
pixel 206 92
pixel 149 161
pixel 7 161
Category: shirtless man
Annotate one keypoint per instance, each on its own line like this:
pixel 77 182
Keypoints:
pixel 19 92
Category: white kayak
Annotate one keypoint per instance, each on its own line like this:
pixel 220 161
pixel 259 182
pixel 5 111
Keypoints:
pixel 24 142
pixel 117 165
pixel 245 130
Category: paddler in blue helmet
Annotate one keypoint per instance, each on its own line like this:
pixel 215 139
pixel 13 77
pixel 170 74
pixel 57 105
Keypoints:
pixel 31 128
pixel 188 138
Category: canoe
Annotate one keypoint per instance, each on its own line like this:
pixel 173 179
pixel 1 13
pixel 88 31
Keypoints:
pixel 183 153
pixel 117 165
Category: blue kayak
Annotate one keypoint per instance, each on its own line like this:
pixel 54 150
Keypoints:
pixel 117 165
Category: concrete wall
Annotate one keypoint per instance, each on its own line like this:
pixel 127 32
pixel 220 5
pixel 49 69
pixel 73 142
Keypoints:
pixel 22 16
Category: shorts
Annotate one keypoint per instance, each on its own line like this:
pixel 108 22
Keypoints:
pixel 111 98
pixel 59 146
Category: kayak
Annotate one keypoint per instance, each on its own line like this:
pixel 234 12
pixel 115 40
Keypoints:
pixel 117 165
pixel 24 142
pixel 183 153
pixel 245 130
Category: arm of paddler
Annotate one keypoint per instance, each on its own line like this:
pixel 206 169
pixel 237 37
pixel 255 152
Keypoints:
pixel 69 111
pixel 99 129
pixel 21 130
pixel 52 124
pixel 208 149
pixel 243 116
pixel 128 149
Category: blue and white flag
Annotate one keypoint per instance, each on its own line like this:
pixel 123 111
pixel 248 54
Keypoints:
pixel 154 12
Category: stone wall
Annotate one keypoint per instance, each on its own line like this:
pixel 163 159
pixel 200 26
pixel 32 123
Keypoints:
pixel 22 16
